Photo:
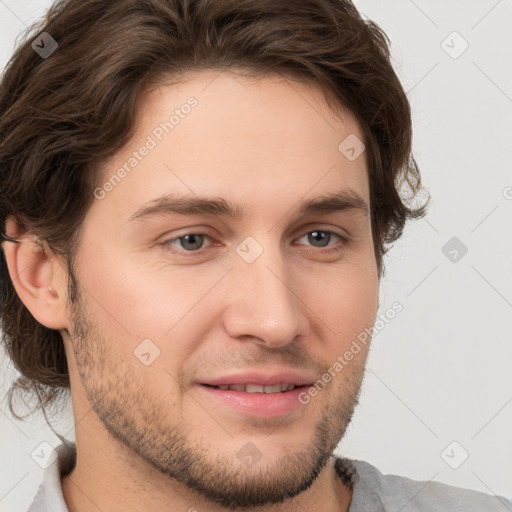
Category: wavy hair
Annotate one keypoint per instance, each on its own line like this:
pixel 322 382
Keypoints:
pixel 60 116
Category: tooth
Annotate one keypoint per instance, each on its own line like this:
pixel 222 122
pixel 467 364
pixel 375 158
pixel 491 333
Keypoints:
pixel 237 387
pixel 272 389
pixel 253 388
pixel 256 388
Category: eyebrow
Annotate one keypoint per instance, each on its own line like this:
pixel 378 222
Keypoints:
pixel 346 200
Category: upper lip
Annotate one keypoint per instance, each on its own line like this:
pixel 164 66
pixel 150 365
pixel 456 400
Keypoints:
pixel 262 379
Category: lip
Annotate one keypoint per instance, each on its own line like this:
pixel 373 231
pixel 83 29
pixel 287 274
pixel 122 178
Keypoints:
pixel 258 404
pixel 262 379
pixel 265 405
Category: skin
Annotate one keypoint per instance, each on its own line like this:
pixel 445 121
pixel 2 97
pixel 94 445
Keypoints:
pixel 147 436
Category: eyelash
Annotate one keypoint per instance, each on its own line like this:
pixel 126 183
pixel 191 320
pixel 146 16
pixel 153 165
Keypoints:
pixel 344 241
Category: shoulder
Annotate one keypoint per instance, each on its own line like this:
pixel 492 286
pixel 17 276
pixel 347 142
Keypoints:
pixel 49 495
pixel 373 491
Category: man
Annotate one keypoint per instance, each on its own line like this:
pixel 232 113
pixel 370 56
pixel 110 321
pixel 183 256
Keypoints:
pixel 197 197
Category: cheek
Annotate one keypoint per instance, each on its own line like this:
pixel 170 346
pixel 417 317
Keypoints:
pixel 134 300
pixel 345 305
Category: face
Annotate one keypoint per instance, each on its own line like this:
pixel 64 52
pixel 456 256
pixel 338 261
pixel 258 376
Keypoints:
pixel 175 297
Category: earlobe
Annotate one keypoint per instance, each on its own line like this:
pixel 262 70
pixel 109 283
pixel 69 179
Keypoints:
pixel 37 276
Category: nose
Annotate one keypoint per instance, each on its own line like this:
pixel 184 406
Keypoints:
pixel 265 302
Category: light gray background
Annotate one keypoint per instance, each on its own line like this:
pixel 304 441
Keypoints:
pixel 441 370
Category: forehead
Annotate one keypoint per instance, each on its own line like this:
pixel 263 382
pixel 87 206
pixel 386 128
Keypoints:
pixel 242 138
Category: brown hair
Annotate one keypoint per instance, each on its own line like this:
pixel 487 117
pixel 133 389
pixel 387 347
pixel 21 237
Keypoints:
pixel 62 114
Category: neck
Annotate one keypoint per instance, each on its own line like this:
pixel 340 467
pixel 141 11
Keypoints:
pixel 87 490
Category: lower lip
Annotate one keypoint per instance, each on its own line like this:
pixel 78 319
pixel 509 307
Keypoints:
pixel 260 404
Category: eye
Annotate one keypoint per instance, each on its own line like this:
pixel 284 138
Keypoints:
pixel 320 238
pixel 190 242
pixel 194 243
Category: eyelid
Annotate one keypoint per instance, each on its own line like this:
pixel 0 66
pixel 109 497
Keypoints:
pixel 315 226
pixel 332 248
pixel 305 230
pixel 167 241
pixel 330 231
pixel 194 230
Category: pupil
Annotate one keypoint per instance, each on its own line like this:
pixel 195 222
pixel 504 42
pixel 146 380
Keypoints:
pixel 194 240
pixel 319 236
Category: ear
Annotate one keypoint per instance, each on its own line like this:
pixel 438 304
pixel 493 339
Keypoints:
pixel 39 278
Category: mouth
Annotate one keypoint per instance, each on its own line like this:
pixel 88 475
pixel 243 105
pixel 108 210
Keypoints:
pixel 255 399
pixel 281 387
